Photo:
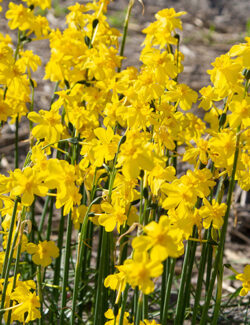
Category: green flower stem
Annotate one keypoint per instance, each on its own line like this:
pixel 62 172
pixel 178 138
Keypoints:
pixel 206 255
pixel 16 143
pixel 32 233
pixel 7 251
pixel 45 209
pixel 40 294
pixel 209 263
pixel 123 252
pixel 54 93
pixel 180 308
pixel 123 304
pixel 139 310
pixel 100 303
pixel 163 285
pixel 7 270
pixel 145 307
pixel 135 301
pixel 218 259
pixel 87 252
pixel 189 275
pixel 186 275
pixel 33 222
pixel 200 279
pixel 146 211
pixel 18 45
pixel 56 279
pixel 16 269
pixel 66 268
pixel 218 198
pixel 31 109
pixel 125 29
pixel 50 218
pixel 141 202
pixel 79 260
pixel 168 291
pixel 59 245
pixel 218 296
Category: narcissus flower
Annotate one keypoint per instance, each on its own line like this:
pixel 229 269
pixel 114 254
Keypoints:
pixel 49 124
pixel 24 300
pixel 140 270
pixel 245 278
pixel 43 252
pixel 162 239
pixel 213 213
pixel 242 50
pixel 225 75
pixel 115 321
pixel 149 322
pixel 208 96
pixel 240 108
pixel 19 17
pixel 113 216
pixel 27 184
pixel 182 94
pixel 43 4
pixel 106 146
pixel 28 305
pixel 29 61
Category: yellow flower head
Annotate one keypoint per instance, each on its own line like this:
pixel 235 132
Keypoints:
pixel 42 253
pixel 213 213
pixel 43 4
pixel 245 278
pixel 140 270
pixel 109 314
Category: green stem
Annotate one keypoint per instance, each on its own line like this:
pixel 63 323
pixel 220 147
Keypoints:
pixel 189 274
pixel 180 308
pixel 100 304
pixel 141 202
pixel 145 307
pixel 56 279
pixel 16 269
pixel 79 260
pixel 206 257
pixel 218 198
pixel 66 268
pixel 218 297
pixel 7 251
pixel 139 310
pixel 125 29
pixel 54 93
pixel 209 262
pixel 218 259
pixel 7 270
pixel 45 209
pixel 50 219
pixel 168 291
pixel 39 284
pixel 123 305
pixel 200 279
pixel 135 301
pixel 31 109
pixel 58 260
pixel 16 143
pixel 163 285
